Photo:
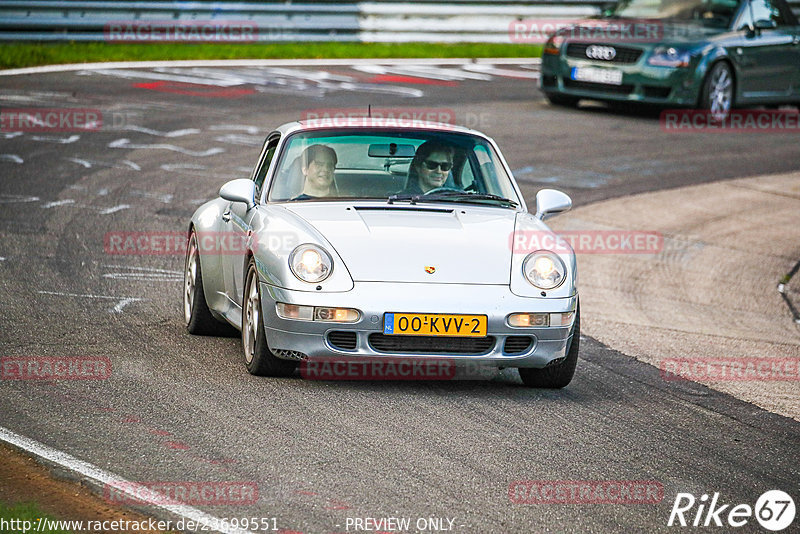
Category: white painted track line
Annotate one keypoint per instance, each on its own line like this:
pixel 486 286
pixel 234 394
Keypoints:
pixel 99 478
pixel 267 63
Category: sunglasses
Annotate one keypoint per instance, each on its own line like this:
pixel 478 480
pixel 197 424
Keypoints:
pixel 433 165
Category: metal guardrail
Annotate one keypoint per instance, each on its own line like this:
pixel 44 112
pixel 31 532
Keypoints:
pixel 313 20
pixel 89 20
pixel 423 20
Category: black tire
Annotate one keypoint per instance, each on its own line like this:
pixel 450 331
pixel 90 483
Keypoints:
pixel 558 375
pixel 562 100
pixel 258 359
pixel 719 91
pixel 196 315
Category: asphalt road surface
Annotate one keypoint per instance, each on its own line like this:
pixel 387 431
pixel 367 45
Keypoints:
pixel 183 408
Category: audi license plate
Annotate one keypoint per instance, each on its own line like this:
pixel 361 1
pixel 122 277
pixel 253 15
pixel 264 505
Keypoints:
pixel 433 324
pixel 595 75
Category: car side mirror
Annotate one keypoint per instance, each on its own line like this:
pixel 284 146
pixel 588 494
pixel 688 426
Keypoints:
pixel 550 202
pixel 240 190
pixel 766 24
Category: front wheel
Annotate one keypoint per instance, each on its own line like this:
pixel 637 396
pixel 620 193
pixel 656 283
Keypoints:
pixel 258 359
pixel 718 96
pixel 560 374
pixel 196 315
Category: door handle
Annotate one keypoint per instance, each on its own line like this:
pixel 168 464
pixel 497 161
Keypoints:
pixel 226 216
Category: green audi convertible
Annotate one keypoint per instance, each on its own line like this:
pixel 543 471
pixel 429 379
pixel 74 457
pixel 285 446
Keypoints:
pixel 707 54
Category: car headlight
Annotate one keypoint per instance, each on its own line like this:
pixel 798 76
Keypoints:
pixel 310 263
pixel 544 269
pixel 667 56
pixel 317 313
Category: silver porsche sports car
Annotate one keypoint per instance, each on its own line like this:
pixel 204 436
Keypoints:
pixel 370 239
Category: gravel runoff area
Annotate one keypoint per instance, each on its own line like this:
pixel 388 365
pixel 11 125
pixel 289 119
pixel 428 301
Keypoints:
pixel 711 294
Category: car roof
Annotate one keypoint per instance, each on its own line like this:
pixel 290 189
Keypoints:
pixel 369 123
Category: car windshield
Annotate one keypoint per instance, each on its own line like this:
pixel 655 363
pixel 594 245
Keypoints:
pixel 391 165
pixel 712 13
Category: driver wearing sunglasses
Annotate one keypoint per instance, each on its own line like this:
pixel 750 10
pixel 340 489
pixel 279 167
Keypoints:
pixel 429 169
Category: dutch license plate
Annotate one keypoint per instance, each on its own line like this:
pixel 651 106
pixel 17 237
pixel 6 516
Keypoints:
pixel 592 74
pixel 434 324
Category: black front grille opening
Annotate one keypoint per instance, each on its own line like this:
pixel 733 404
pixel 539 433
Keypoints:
pixel 517 344
pixel 549 80
pixel 343 340
pixel 652 91
pixel 289 354
pixel 624 55
pixel 431 344
pixel 600 87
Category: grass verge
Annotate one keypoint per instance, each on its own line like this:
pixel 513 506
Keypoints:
pixel 17 55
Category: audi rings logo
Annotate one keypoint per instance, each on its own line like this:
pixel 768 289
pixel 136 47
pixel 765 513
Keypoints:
pixel 606 53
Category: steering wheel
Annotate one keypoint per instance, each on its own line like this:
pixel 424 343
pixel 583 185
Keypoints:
pixel 443 189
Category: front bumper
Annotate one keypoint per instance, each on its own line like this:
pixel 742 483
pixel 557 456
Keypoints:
pixel 298 339
pixel 640 82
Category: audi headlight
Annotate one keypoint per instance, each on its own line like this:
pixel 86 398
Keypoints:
pixel 544 269
pixel 310 263
pixel 668 56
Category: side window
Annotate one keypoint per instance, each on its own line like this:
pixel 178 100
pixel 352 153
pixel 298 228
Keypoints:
pixel 467 177
pixel 745 18
pixel 262 171
pixel 486 166
pixel 766 10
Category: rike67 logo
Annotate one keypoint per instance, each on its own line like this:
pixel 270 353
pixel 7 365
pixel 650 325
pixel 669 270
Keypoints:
pixel 774 510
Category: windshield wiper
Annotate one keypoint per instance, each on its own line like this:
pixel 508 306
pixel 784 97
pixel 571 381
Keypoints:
pixel 464 196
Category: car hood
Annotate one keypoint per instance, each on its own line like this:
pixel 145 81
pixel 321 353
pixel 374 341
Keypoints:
pixel 422 243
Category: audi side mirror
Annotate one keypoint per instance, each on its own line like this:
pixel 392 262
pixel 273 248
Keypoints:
pixel 766 24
